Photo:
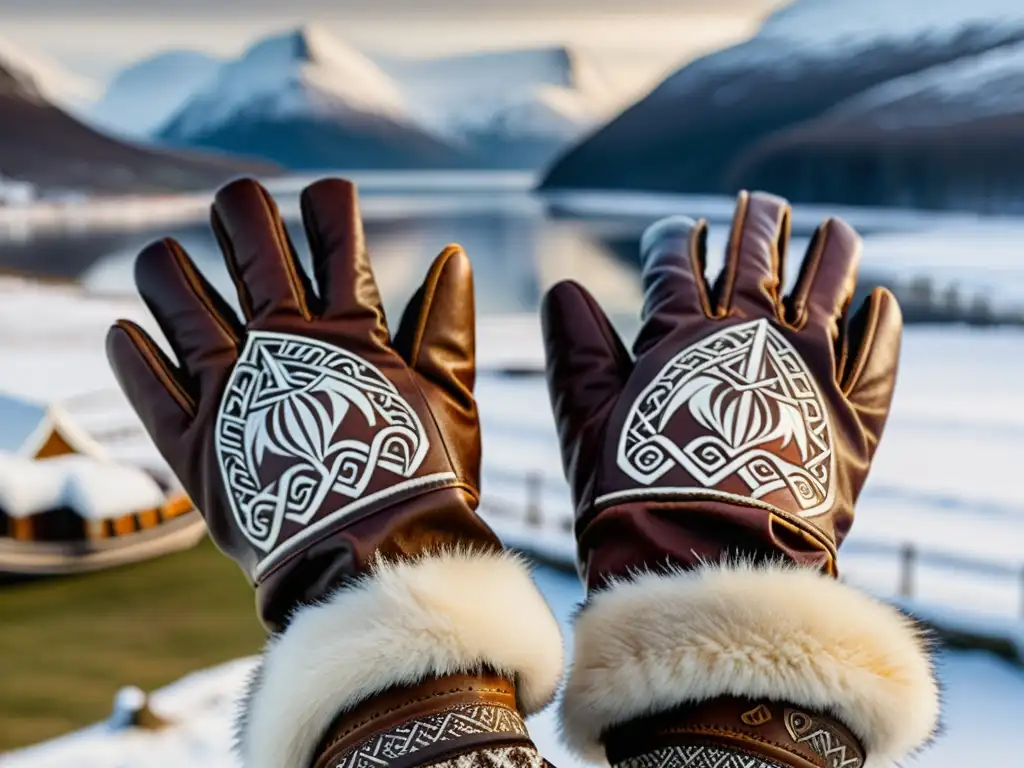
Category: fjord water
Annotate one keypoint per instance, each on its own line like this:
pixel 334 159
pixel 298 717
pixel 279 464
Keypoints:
pixel 521 242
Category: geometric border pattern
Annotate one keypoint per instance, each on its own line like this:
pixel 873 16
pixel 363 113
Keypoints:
pixel 451 724
pixel 696 756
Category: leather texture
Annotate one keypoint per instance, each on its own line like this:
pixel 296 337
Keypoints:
pixel 777 733
pixel 421 724
pixel 311 436
pixel 744 421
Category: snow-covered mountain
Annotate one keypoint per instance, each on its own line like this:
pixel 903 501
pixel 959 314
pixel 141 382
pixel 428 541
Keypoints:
pixel 512 108
pixel 949 136
pixel 143 96
pixel 308 101
pixel 807 58
pixel 44 146
pixel 37 73
pixel 969 89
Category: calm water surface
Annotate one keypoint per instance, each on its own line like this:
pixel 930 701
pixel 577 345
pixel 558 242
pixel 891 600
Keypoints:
pixel 520 243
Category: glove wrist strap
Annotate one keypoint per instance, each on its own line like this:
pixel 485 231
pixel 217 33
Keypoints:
pixel 756 733
pixel 426 723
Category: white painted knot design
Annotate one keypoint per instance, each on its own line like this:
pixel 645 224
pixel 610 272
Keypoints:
pixel 755 422
pixel 301 419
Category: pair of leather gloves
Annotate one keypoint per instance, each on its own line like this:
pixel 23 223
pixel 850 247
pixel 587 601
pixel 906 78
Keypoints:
pixel 714 471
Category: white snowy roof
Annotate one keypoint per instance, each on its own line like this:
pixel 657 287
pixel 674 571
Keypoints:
pixel 94 488
pixel 26 424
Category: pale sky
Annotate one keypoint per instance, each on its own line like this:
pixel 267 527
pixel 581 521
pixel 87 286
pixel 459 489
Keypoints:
pixel 642 38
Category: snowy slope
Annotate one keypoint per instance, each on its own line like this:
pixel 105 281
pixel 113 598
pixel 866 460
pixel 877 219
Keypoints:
pixel 46 77
pixel 304 71
pixel 553 91
pixel 513 108
pixel 973 88
pixel 963 121
pixel 305 99
pixel 687 134
pixel 831 28
pixel 143 96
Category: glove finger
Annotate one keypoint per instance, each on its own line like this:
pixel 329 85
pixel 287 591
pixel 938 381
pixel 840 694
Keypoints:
pixel 587 368
pixel 334 226
pixel 752 275
pixel 437 335
pixel 672 257
pixel 259 254
pixel 828 277
pixel 869 372
pixel 437 338
pixel 153 385
pixel 201 328
pixel 672 254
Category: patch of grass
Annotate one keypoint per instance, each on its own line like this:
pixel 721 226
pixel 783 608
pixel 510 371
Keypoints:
pixel 67 645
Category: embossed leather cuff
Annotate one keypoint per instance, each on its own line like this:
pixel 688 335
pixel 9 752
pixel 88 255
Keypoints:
pixel 426 723
pixel 777 734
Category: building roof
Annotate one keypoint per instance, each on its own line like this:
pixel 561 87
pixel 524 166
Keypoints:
pixel 33 429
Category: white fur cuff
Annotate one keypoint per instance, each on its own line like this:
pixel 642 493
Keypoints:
pixel 655 642
pixel 453 612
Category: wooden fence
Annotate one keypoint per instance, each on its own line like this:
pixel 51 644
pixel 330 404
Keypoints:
pixel 536 511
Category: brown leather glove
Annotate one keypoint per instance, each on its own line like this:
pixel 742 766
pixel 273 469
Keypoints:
pixel 310 439
pixel 715 473
pixel 745 422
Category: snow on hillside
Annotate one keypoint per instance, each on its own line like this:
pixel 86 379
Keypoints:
pixel 49 79
pixel 548 92
pixel 143 96
pixel 972 88
pixel 831 25
pixel 305 73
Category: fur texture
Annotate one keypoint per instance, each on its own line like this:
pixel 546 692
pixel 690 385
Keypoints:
pixel 448 613
pixel 655 642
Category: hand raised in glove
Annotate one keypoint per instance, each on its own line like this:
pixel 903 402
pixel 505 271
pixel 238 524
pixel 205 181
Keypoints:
pixel 745 421
pixel 311 439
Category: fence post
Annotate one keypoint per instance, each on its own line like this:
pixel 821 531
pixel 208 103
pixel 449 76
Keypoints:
pixel 908 558
pixel 534 515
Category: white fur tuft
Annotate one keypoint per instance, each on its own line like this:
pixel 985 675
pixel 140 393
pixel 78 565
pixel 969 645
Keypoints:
pixel 447 613
pixel 654 642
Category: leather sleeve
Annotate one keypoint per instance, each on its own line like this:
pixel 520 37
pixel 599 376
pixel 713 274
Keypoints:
pixel 454 720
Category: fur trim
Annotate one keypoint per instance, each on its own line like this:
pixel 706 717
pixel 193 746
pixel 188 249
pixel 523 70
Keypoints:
pixel 654 642
pixel 446 613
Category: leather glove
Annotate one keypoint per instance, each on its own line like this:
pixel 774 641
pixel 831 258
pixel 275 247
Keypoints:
pixel 310 438
pixel 744 422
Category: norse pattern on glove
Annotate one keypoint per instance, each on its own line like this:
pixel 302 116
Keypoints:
pixel 696 756
pixel 303 423
pixel 435 730
pixel 758 426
